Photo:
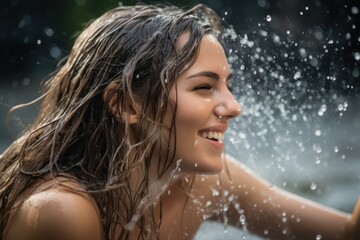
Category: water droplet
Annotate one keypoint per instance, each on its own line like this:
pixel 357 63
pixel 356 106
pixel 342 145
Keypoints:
pixel 242 219
pixel 318 132
pixel 313 186
pixel 268 18
pixel 322 110
pixel 26 82
pixel 355 73
pixel 297 75
pixel 225 208
pixel 318 35
pixel 261 3
pixel 340 107
pixel 38 41
pixel 264 34
pixel 317 148
pixel 354 10
pixel 49 32
pixel 314 61
pixel 26 39
pixel 276 39
pixel 318 237
pixel 357 56
pixel 302 52
pixel 336 149
pixel 214 192
pixel 21 24
pixel 55 52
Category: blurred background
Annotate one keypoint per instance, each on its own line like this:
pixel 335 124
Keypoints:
pixel 296 66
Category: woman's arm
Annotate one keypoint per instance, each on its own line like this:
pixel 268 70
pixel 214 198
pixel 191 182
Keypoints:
pixel 56 213
pixel 276 214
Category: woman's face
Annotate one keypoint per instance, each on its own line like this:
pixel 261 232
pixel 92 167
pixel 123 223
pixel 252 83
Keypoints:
pixel 204 108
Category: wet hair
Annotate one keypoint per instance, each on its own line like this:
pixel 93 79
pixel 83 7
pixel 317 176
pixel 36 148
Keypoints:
pixel 75 135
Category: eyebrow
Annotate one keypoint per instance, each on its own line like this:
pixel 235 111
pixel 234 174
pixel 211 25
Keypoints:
pixel 210 74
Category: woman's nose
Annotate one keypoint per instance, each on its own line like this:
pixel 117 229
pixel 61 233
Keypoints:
pixel 228 107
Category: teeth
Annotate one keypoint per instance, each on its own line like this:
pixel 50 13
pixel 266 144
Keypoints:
pixel 213 135
pixel 210 135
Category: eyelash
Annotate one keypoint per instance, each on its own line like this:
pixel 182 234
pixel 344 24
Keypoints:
pixel 208 87
pixel 203 87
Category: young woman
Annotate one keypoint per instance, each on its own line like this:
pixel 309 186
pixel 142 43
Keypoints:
pixel 128 143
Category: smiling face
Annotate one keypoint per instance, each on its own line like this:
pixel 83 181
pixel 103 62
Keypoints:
pixel 204 107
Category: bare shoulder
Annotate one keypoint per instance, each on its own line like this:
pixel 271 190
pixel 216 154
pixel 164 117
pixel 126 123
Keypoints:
pixel 59 212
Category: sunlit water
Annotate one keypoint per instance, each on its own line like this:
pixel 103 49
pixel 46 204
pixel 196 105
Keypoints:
pixel 300 126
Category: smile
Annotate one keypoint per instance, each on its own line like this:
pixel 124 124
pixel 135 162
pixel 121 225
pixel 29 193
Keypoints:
pixel 212 135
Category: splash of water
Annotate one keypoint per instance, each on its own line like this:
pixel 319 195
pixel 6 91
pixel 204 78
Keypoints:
pixel 298 93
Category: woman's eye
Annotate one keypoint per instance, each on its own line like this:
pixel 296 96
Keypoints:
pixel 203 87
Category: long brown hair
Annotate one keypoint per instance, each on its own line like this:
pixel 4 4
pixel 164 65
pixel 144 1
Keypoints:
pixel 76 135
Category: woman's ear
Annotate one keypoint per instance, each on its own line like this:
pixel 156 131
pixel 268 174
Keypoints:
pixel 130 113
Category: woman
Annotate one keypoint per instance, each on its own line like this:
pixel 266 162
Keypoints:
pixel 128 143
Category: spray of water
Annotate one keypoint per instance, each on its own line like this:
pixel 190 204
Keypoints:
pixel 300 125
